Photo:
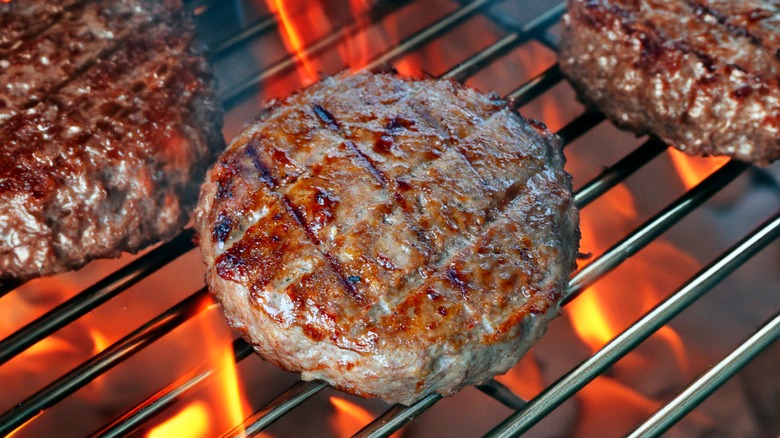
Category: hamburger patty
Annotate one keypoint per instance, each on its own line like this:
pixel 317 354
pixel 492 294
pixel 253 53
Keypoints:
pixel 393 237
pixel 108 119
pixel 703 75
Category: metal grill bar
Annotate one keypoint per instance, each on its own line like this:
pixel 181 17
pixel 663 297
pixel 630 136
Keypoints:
pixel 591 368
pixel 708 382
pixel 535 87
pixel 134 418
pixel 501 47
pixel 94 296
pixel 231 97
pixel 291 398
pixel 264 25
pixel 107 359
pixel 502 394
pixel 429 33
pixel 653 228
pixel 396 417
pixel 619 172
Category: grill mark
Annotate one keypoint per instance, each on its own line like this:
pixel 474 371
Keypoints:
pixel 700 9
pixel 43 24
pixel 152 17
pixel 509 195
pixel 294 210
pixel 257 162
pixel 326 117
pixel 367 163
pixel 395 187
pixel 392 186
pixel 332 261
pixel 452 276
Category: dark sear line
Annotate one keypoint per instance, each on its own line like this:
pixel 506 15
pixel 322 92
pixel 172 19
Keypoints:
pixel 41 65
pixel 23 19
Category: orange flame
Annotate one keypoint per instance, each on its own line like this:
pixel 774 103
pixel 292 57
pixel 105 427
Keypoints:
pixel 349 417
pixel 356 50
pixel 617 301
pixel 692 170
pixel 525 379
pixel 292 27
pixel 15 431
pixel 221 406
pixel 190 422
pixel 609 408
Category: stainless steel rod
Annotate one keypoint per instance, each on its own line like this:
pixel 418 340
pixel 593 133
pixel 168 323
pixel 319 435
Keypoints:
pixel 230 96
pixel 429 33
pixel 104 361
pixel 157 403
pixel 284 403
pixel 496 50
pixel 654 227
pixel 579 376
pixel 535 87
pixel 707 383
pixel 618 172
pixel 94 296
pixel 395 417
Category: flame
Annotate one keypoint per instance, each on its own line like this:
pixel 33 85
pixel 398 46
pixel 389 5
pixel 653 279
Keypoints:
pixel 356 50
pixel 190 422
pixel 609 408
pixel 220 406
pixel 294 22
pixel 525 379
pixel 349 417
pixel 15 431
pixel 692 170
pixel 616 301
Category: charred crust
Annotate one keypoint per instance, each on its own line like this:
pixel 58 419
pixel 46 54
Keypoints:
pixel 222 227
pixel 326 117
pixel 257 162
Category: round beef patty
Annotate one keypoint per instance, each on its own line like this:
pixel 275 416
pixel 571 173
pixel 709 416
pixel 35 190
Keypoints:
pixel 701 75
pixel 108 120
pixel 393 237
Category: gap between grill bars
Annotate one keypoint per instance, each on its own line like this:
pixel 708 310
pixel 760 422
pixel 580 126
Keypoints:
pixel 526 414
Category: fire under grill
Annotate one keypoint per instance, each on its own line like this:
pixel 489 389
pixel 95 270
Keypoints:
pixel 236 35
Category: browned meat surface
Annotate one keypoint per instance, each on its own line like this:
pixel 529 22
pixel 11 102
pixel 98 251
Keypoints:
pixel 390 236
pixel 703 75
pixel 22 18
pixel 111 160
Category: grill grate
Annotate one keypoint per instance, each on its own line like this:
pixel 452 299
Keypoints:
pixel 526 414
